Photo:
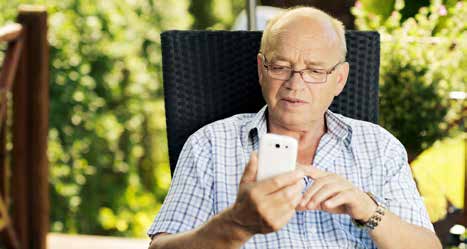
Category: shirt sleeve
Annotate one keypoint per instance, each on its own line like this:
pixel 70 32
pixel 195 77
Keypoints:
pixel 188 203
pixel 400 194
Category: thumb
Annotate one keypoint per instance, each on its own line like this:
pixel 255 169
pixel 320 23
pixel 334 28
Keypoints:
pixel 249 174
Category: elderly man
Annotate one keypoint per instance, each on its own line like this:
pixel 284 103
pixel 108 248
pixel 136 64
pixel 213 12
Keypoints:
pixel 359 191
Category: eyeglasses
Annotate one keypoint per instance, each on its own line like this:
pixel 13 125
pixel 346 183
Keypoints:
pixel 309 75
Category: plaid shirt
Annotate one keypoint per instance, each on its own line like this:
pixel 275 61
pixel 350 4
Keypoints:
pixel 212 161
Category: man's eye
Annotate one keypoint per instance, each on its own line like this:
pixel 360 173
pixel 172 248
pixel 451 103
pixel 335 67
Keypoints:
pixel 275 67
pixel 316 71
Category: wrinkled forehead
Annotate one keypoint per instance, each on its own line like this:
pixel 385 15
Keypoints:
pixel 305 37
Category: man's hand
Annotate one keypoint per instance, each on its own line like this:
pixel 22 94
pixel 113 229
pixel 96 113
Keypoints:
pixel 266 206
pixel 335 194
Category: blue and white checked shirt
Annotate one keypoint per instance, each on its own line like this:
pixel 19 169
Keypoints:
pixel 212 161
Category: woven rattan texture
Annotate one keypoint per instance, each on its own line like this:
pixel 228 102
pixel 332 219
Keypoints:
pixel 210 75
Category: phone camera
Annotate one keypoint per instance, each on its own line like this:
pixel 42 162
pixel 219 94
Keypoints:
pixel 278 146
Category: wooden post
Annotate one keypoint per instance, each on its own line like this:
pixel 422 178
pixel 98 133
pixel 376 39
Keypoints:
pixel 30 127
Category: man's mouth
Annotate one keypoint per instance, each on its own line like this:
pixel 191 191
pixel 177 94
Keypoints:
pixel 294 100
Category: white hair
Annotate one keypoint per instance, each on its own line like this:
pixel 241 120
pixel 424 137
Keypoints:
pixel 268 39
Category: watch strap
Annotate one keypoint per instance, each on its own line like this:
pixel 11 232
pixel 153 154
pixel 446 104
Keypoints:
pixel 374 219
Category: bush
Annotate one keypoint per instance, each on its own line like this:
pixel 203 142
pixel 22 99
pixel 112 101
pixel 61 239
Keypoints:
pixel 422 60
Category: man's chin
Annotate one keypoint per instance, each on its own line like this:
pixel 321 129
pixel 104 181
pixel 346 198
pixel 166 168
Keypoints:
pixel 296 122
pixel 295 116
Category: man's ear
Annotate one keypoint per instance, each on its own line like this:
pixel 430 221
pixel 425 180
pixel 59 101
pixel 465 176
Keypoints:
pixel 259 59
pixel 342 75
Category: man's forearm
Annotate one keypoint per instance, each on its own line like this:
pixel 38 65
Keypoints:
pixel 218 232
pixel 392 233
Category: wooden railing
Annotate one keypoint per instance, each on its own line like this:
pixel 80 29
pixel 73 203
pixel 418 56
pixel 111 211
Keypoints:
pixel 24 200
pixel 13 35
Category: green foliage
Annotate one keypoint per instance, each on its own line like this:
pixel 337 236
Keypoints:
pixel 107 143
pixel 440 164
pixel 422 59
pixel 201 9
pixel 215 14
pixel 383 9
pixel 377 8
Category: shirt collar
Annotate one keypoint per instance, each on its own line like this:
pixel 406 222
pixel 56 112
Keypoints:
pixel 336 126
pixel 257 125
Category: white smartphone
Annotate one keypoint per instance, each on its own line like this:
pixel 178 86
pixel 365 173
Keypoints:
pixel 277 155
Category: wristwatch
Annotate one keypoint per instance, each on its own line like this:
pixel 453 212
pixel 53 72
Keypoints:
pixel 374 219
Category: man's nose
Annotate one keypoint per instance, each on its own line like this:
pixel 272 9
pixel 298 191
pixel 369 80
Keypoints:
pixel 295 82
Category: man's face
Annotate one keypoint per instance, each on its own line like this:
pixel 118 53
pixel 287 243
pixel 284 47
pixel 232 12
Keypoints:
pixel 302 44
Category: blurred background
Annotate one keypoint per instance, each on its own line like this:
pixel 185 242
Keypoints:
pixel 108 170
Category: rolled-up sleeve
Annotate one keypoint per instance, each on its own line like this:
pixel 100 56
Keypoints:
pixel 400 194
pixel 188 203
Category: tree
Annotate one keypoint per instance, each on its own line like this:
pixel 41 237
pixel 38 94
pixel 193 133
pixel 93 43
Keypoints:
pixel 107 142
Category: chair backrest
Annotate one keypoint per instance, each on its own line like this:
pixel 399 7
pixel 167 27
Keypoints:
pixel 210 75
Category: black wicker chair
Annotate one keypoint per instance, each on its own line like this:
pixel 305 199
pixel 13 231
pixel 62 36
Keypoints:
pixel 210 75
